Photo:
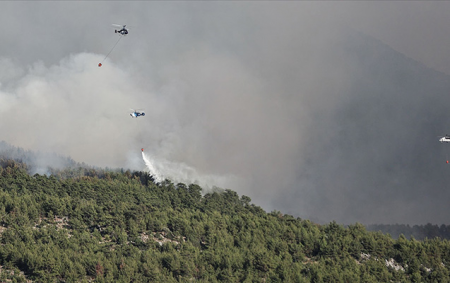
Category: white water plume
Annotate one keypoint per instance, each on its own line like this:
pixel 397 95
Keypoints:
pixel 152 170
pixel 182 173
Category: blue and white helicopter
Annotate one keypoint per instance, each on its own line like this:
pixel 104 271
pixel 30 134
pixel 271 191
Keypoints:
pixel 137 113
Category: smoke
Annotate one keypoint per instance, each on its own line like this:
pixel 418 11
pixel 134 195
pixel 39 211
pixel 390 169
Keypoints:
pixel 70 108
pixel 294 104
pixel 37 162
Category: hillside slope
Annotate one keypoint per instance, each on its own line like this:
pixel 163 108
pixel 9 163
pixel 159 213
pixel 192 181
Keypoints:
pixel 87 225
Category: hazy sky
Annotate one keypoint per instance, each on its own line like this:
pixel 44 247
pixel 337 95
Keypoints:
pixel 303 106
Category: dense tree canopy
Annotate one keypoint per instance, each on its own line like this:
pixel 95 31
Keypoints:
pixel 104 226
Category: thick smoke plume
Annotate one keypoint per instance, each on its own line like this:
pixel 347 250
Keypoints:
pixel 324 110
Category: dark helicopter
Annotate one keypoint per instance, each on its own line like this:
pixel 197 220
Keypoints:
pixel 122 31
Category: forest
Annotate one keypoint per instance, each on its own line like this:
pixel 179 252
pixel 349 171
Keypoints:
pixel 82 224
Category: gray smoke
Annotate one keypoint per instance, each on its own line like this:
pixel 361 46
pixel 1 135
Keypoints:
pixel 328 110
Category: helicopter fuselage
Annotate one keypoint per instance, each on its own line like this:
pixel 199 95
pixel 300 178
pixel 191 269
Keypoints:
pixel 122 31
pixel 444 139
pixel 137 114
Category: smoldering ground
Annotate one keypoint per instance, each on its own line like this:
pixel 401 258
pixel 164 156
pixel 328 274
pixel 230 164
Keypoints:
pixel 298 101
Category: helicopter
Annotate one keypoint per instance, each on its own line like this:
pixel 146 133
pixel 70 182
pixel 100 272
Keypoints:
pixel 137 113
pixel 445 138
pixel 122 31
